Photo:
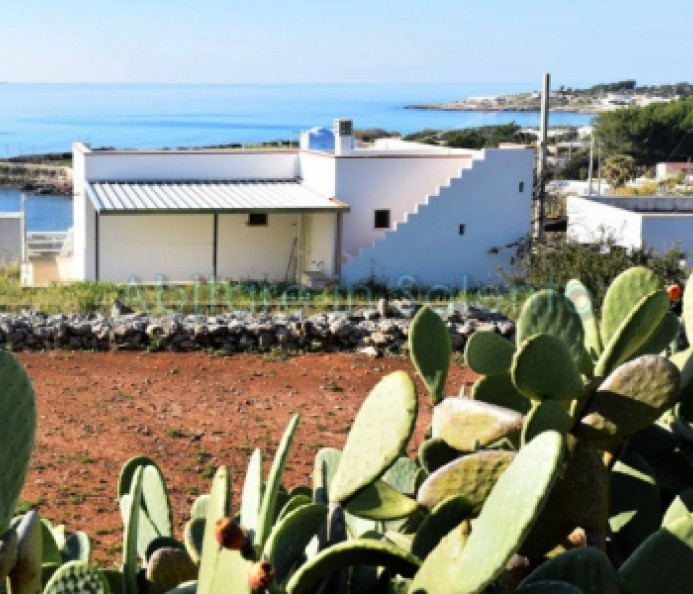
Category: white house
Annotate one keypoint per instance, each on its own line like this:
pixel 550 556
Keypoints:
pixel 634 222
pixel 665 171
pixel 327 212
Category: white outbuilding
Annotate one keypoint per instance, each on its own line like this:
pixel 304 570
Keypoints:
pixel 659 222
pixel 393 211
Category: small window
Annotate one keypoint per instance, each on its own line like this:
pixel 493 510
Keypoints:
pixel 462 228
pixel 522 186
pixel 257 219
pixel 382 219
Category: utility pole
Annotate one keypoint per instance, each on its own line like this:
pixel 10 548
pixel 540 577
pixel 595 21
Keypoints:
pixel 542 146
pixel 590 166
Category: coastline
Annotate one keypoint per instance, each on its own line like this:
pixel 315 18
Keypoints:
pixel 522 109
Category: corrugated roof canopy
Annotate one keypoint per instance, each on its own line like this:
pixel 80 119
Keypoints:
pixel 207 196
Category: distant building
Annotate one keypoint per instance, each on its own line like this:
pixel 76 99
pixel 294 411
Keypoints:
pixel 672 170
pixel 328 212
pixel 634 222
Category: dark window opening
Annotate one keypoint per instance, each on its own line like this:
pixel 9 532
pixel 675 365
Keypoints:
pixel 257 219
pixel 462 228
pixel 382 219
pixel 522 186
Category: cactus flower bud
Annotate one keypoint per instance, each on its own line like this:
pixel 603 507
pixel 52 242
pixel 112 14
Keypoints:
pixel 674 292
pixel 261 575
pixel 229 534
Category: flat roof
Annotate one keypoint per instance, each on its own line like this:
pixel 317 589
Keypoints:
pixel 190 197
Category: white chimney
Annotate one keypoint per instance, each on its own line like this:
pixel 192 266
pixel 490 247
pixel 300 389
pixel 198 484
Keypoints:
pixel 343 137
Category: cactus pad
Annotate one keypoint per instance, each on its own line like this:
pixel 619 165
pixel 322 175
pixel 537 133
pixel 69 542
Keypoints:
pixel 379 501
pixel 373 445
pixel 77 577
pixel 434 453
pixel 549 312
pixel 662 563
pixel 430 348
pixel 288 540
pixel 167 568
pixel 444 518
pixel 488 353
pixel 25 576
pixel 514 504
pixel 472 476
pixel 636 505
pixel 587 568
pixel 545 416
pixel 17 433
pixel 542 368
pixel 583 303
pixel 221 570
pixel 634 333
pixel 252 493
pixel 631 398
pixel 681 506
pixel 467 425
pixel 354 552
pixel 268 505
pixel 626 290
pixel 500 390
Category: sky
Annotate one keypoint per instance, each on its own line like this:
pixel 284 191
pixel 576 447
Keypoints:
pixel 579 42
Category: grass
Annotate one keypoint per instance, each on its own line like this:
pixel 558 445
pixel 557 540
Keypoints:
pixel 213 298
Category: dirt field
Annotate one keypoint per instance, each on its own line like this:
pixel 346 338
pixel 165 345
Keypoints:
pixel 189 412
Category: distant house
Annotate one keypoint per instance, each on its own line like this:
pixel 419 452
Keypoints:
pixel 672 170
pixel 326 212
pixel 634 222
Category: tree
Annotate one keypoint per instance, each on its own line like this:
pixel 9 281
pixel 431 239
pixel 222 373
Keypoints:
pixel 618 169
pixel 658 132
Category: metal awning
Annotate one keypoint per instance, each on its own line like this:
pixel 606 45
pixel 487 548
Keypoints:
pixel 190 197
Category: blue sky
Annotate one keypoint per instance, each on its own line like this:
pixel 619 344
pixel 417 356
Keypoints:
pixel 220 41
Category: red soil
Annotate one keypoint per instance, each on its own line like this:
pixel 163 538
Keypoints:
pixel 190 413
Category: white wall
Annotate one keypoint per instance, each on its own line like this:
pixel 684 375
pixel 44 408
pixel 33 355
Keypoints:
pixel 317 171
pixel 592 220
pixel 396 183
pixel 10 238
pixel 428 247
pixel 190 165
pixel 255 253
pixel 144 246
pixel 320 244
pixel 84 247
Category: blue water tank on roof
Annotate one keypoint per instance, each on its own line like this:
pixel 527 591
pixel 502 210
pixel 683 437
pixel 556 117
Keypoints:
pixel 318 139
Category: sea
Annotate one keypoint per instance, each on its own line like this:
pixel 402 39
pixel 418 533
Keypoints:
pixel 47 118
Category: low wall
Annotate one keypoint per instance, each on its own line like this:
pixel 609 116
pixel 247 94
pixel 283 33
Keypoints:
pixel 340 331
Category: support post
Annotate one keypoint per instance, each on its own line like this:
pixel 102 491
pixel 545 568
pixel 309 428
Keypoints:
pixel 542 146
pixel 22 229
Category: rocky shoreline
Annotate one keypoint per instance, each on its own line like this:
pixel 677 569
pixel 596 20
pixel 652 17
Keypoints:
pixel 36 178
pixel 371 332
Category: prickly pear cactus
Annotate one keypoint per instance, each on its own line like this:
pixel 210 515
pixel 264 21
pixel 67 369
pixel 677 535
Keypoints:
pixel 221 570
pixel 430 348
pixel 549 312
pixel 467 425
pixel 543 368
pixel 488 353
pixel 355 552
pixel 622 296
pixel 514 503
pixel 77 577
pixel 373 445
pixel 17 433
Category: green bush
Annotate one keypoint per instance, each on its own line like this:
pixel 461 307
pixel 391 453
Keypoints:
pixel 550 266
